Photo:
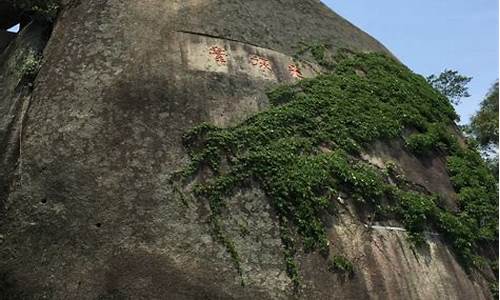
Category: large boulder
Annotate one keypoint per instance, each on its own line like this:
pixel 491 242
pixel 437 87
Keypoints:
pixel 90 208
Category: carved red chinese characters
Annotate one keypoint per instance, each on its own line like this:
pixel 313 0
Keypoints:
pixel 295 71
pixel 219 54
pixel 263 63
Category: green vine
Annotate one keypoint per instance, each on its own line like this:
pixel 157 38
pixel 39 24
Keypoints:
pixel 29 64
pixel 305 150
pixel 340 264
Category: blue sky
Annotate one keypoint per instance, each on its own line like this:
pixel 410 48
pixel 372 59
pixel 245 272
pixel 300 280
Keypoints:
pixel 431 35
pixel 14 28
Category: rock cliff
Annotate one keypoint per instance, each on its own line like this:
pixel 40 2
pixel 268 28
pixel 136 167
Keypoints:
pixel 93 111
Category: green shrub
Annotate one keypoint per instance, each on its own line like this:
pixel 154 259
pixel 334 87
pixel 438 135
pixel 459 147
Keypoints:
pixel 416 212
pixel 436 138
pixel 340 264
pixel 494 289
pixel 29 65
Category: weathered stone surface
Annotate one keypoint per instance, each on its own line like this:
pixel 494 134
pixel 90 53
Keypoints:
pixel 5 39
pixel 428 172
pixel 15 98
pixel 388 268
pixel 93 213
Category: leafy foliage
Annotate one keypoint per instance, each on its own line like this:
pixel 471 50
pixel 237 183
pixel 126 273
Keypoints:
pixel 436 138
pixel 476 223
pixel 340 264
pixel 289 254
pixel 29 65
pixel 494 289
pixel 415 211
pixel 484 124
pixel 318 51
pixel 304 151
pixel 451 84
pixel 478 194
pixel 484 128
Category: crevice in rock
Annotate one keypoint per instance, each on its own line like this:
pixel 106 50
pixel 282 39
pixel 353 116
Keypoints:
pixel 19 64
pixel 217 37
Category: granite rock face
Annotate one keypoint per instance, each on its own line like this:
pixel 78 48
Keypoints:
pixel 89 210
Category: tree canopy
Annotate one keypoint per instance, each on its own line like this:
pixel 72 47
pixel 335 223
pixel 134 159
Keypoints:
pixel 451 84
pixel 484 124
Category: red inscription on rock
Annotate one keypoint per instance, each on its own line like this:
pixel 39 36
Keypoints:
pixel 295 71
pixel 219 55
pixel 263 63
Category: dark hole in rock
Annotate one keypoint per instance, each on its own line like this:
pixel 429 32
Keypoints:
pixel 43 201
pixel 98 225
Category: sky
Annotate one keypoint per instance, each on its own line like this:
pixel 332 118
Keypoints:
pixel 14 28
pixel 432 35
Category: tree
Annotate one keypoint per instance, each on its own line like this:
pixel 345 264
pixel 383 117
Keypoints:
pixel 451 84
pixel 484 128
pixel 484 124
